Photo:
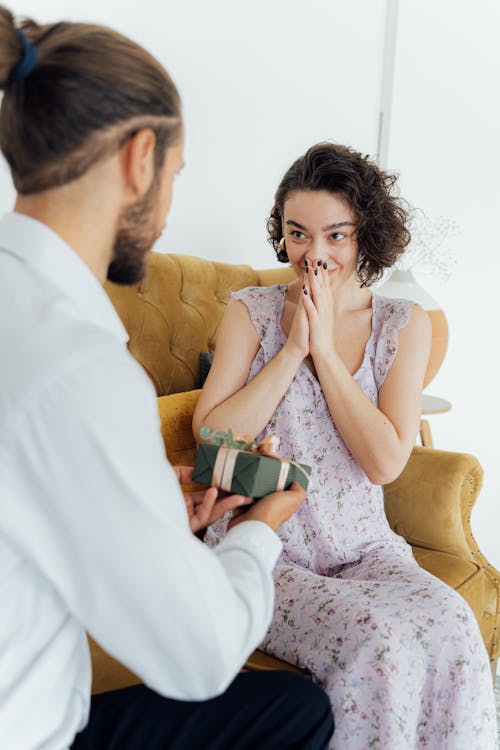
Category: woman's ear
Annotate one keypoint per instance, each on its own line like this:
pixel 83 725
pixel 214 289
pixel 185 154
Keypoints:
pixel 138 162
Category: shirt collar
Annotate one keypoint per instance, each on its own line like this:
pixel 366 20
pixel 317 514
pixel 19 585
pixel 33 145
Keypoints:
pixel 41 248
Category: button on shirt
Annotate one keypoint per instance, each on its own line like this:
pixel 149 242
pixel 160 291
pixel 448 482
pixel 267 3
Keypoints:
pixel 94 534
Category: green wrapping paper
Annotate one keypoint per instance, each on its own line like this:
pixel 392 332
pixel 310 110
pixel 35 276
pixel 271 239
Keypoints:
pixel 249 474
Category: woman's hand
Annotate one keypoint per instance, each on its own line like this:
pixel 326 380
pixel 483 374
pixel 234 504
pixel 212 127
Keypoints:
pixel 203 506
pixel 298 336
pixel 317 297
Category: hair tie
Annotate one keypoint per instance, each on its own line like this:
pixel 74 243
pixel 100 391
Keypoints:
pixel 27 63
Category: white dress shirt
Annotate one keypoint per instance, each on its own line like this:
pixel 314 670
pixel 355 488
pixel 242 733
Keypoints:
pixel 94 534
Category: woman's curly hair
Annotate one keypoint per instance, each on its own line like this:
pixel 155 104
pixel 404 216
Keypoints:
pixel 381 216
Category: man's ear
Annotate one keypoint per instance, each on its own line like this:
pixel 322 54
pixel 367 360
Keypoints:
pixel 138 162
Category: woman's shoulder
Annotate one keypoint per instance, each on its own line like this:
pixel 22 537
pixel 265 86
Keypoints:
pixel 259 293
pixel 264 305
pixel 392 312
pixel 261 300
pixel 396 321
pixel 396 312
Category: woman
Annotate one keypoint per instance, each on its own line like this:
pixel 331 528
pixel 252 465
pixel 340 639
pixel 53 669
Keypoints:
pixel 336 372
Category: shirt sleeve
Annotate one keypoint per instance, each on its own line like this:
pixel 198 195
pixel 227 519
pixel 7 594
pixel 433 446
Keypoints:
pixel 96 506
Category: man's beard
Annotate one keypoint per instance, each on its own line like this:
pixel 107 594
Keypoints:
pixel 135 236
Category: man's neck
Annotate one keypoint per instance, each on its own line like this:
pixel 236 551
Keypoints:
pixel 83 213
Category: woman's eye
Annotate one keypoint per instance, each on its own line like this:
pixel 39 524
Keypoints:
pixel 296 234
pixel 337 236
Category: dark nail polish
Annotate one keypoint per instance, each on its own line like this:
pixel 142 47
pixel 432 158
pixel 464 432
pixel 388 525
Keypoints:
pixel 325 266
pixel 319 263
pixel 315 271
pixel 303 286
pixel 305 262
pixel 305 291
pixel 307 269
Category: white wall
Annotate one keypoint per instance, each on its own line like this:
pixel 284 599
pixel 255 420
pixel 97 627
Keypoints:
pixel 260 81
pixel 445 143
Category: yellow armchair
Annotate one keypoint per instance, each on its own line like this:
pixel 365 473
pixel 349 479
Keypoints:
pixel 429 504
pixel 172 316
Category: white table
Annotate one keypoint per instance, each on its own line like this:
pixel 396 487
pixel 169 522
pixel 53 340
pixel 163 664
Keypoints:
pixel 431 405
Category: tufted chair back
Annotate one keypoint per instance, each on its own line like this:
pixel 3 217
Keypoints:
pixel 175 312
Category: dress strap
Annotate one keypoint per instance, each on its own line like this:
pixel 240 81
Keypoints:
pixel 390 316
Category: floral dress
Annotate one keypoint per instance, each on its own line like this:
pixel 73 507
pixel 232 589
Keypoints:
pixel 397 650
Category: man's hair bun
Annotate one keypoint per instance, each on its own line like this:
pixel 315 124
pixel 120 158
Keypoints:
pixel 11 46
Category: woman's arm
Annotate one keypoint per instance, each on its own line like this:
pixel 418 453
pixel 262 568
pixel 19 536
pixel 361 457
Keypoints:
pixel 226 401
pixel 380 439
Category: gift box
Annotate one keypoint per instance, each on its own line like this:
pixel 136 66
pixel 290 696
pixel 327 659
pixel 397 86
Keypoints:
pixel 246 471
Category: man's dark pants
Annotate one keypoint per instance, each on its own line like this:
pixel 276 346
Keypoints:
pixel 259 711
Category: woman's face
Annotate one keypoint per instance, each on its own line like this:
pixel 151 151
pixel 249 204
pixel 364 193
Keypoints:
pixel 318 225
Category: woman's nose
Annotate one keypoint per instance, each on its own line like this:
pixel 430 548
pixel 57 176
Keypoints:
pixel 313 257
pixel 316 250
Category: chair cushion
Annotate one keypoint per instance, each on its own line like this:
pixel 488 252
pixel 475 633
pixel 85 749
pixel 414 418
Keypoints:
pixel 259 661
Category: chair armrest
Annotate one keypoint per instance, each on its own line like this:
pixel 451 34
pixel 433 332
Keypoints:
pixel 176 415
pixel 430 503
pixel 107 673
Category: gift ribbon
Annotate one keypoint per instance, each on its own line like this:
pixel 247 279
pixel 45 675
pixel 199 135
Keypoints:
pixel 268 447
pixel 225 462
pixel 222 475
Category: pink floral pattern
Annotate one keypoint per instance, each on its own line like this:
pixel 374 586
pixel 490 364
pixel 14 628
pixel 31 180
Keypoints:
pixel 398 651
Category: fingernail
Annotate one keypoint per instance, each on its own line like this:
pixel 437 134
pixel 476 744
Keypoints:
pixel 303 286
pixel 325 266
pixel 315 271
pixel 305 291
pixel 307 269
pixel 319 263
pixel 305 261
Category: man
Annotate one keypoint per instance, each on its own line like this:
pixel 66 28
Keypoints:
pixel 94 533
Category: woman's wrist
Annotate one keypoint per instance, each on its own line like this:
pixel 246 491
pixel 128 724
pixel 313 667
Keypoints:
pixel 292 354
pixel 329 360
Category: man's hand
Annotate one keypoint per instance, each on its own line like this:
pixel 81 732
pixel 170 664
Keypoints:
pixel 202 506
pixel 273 509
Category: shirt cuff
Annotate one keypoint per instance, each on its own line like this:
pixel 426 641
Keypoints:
pixel 258 538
